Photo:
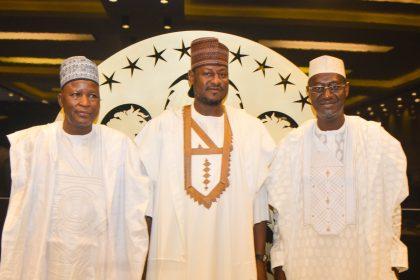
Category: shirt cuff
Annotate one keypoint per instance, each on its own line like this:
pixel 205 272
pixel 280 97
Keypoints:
pixel 399 256
pixel 149 209
pixel 261 212
pixel 276 258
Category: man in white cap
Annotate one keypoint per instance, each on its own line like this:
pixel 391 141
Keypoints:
pixel 207 162
pixel 337 183
pixel 78 195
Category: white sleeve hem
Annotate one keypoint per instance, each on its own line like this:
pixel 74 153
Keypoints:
pixel 276 258
pixel 399 257
pixel 261 212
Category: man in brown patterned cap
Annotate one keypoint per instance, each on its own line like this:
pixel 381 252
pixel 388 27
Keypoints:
pixel 207 162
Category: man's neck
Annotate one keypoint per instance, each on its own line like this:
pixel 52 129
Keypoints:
pixel 76 130
pixel 208 110
pixel 332 124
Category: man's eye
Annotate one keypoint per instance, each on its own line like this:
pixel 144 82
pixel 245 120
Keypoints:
pixel 93 96
pixel 318 89
pixel 335 87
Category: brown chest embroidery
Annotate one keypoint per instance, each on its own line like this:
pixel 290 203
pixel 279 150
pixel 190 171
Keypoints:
pixel 206 174
pixel 189 124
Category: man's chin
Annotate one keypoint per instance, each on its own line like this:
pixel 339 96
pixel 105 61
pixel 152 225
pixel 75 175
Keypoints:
pixel 214 103
pixel 83 124
pixel 328 115
pixel 211 102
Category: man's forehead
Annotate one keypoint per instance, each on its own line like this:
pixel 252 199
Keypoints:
pixel 213 67
pixel 81 83
pixel 326 78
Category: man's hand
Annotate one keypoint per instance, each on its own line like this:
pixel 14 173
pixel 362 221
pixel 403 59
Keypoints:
pixel 259 245
pixel 261 270
pixel 279 273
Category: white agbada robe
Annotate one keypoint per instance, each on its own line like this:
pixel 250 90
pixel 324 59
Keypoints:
pixel 338 198
pixel 76 207
pixel 189 241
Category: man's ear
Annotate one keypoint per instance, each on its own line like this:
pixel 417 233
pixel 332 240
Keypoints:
pixel 190 78
pixel 59 97
pixel 347 89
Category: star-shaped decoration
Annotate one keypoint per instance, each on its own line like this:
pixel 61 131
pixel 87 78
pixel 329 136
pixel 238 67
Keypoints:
pixel 237 56
pixel 241 105
pixel 262 66
pixel 183 50
pixel 284 81
pixel 157 55
pixel 109 81
pixel 132 65
pixel 303 101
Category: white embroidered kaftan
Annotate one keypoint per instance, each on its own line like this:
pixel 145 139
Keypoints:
pixel 338 219
pixel 189 241
pixel 76 207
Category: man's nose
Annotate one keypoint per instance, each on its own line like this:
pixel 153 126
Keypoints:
pixel 327 93
pixel 216 79
pixel 84 100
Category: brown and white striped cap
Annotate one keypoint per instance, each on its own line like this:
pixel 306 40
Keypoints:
pixel 208 51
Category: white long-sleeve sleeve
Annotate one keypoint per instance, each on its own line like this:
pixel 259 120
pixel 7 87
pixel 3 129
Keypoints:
pixel 394 166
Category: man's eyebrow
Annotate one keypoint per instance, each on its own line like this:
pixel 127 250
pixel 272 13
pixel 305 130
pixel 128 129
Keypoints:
pixel 327 83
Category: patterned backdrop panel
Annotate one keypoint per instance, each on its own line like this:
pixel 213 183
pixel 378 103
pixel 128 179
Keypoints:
pixel 142 80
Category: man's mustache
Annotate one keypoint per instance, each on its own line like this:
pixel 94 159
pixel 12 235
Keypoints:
pixel 214 88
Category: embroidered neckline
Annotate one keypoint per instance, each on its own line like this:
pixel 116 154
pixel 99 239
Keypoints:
pixel 223 184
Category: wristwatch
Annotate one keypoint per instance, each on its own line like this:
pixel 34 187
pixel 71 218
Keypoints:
pixel 261 257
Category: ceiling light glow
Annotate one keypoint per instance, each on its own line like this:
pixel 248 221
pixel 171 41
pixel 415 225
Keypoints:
pixel 125 22
pixel 31 60
pixel 326 46
pixel 167 23
pixel 45 36
pixel 397 1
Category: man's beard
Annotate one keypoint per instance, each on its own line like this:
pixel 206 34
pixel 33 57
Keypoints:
pixel 210 102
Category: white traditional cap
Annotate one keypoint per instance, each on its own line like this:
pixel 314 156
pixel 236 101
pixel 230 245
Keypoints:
pixel 326 64
pixel 78 68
